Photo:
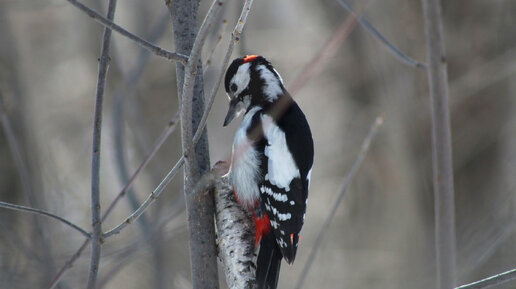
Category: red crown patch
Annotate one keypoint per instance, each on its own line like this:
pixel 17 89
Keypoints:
pixel 249 58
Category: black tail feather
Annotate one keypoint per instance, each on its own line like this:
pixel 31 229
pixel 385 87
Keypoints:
pixel 268 263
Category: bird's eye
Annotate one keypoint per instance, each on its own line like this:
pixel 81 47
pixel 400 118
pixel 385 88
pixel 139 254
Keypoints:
pixel 233 87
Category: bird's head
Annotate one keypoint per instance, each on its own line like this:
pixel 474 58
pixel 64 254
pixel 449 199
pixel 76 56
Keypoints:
pixel 251 81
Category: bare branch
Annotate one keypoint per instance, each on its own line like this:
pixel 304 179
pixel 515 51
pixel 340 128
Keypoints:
pixel 124 92
pixel 217 42
pixel 45 213
pixel 491 281
pixel 96 221
pixel 138 40
pixel 397 53
pixel 327 51
pixel 235 37
pixel 68 264
pixel 168 130
pixel 150 199
pixel 444 207
pixel 235 234
pixel 157 145
pixel 199 207
pixel 236 32
pixel 190 71
pixel 351 173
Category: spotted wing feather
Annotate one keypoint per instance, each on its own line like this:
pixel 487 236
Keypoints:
pixel 284 192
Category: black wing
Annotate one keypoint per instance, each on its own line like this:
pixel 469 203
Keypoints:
pixel 286 206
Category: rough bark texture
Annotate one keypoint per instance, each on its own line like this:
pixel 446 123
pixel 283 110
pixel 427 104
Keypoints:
pixel 200 207
pixel 235 230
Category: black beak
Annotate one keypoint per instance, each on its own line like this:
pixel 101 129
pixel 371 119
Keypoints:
pixel 231 111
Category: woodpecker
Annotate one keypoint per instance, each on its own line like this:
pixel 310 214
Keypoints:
pixel 271 161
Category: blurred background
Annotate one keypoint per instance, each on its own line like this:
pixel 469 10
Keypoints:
pixel 382 235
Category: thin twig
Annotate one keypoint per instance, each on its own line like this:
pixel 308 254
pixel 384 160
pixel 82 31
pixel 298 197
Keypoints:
pixel 397 53
pixel 138 40
pixel 351 173
pixel 125 91
pixel 235 37
pixel 190 72
pixel 155 194
pixel 326 52
pixel 491 281
pixel 45 213
pixel 167 131
pixel 96 221
pixel 200 209
pixel 217 42
pixel 150 199
pixel 444 207
pixel 68 264
pixel 157 145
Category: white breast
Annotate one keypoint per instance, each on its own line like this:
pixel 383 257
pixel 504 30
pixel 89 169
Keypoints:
pixel 245 164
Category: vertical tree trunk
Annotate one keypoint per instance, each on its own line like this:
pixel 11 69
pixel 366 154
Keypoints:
pixel 200 207
pixel 441 147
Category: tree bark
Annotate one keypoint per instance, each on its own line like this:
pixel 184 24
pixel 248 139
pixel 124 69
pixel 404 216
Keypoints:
pixel 200 207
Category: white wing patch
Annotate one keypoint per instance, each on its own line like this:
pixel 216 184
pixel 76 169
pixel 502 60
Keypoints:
pixel 272 87
pixel 282 168
pixel 245 164
pixel 241 78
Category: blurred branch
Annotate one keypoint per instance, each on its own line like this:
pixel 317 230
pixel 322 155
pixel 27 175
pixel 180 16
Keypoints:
pixel 138 40
pixel 168 130
pixel 125 255
pixel 157 145
pixel 68 264
pixel 217 42
pixel 351 173
pixel 151 198
pixel 378 36
pixel 96 221
pixel 125 91
pixel 491 281
pixel 45 213
pixel 14 146
pixel 122 96
pixel 444 207
pixel 326 52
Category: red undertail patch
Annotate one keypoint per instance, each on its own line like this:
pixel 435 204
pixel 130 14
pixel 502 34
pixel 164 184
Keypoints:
pixel 249 58
pixel 263 226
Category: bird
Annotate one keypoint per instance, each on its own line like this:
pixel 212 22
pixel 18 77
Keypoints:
pixel 271 162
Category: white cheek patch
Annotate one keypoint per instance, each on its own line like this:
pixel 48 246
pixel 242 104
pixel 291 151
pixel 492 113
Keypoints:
pixel 241 78
pixel 272 87
pixel 282 168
